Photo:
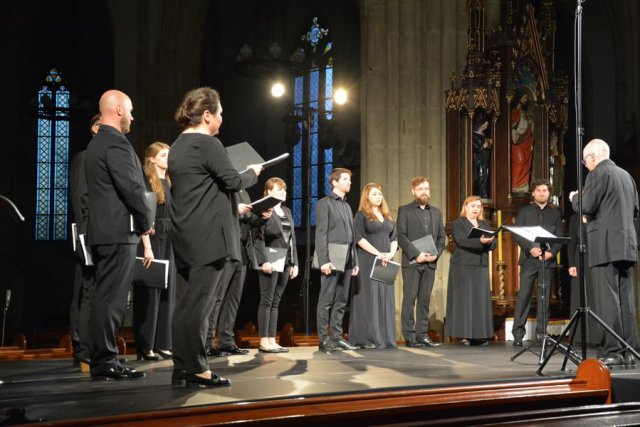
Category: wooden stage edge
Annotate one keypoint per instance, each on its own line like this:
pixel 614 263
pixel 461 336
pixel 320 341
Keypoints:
pixel 591 386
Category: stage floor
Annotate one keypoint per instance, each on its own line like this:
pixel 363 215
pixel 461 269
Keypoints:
pixel 54 390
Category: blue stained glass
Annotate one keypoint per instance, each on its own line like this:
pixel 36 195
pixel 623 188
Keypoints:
pixel 297 183
pixel 314 82
pixel 314 182
pixel 314 202
pixel 297 211
pixel 328 92
pixel 314 149
pixel 298 94
pixel 297 154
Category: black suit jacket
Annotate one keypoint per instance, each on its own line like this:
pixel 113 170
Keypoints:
pixel 116 189
pixel 470 251
pixel 610 201
pixel 271 235
pixel 549 218
pixel 334 224
pixel 248 221
pixel 411 227
pixel 204 213
pixel 78 194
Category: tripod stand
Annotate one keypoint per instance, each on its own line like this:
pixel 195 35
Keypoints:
pixel 534 234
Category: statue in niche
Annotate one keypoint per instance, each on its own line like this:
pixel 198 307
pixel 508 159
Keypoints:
pixel 521 143
pixel 481 155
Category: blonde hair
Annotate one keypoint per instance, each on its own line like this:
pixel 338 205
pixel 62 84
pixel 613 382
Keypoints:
pixel 366 207
pixel 463 212
pixel 150 170
pixel 272 182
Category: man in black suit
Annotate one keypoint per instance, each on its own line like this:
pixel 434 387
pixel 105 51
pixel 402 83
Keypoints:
pixel 334 224
pixel 83 280
pixel 610 203
pixel 416 220
pixel 116 191
pixel 541 213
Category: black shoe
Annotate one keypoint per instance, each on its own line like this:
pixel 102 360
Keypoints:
pixel 478 342
pixel 145 356
pixel 184 379
pixel 611 361
pixel 262 349
pixel 517 341
pixel 214 352
pixel 234 350
pixel 164 354
pixel 629 361
pixel 426 341
pixel 344 345
pixel 327 345
pixel 118 373
pixel 413 343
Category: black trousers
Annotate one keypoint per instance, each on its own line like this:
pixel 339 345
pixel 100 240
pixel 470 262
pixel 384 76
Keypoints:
pixel 332 303
pixel 528 275
pixel 271 289
pixel 114 271
pixel 80 309
pixel 227 301
pixel 615 305
pixel 152 317
pixel 196 288
pixel 417 286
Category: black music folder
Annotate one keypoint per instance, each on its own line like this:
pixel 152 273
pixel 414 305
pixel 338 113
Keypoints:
pixel 156 276
pixel 264 204
pixel 476 232
pixel 243 155
pixel 384 273
pixel 338 255
pixel 425 244
pixel 151 199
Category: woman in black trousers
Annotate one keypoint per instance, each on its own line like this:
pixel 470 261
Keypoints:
pixel 277 232
pixel 205 229
pixel 153 306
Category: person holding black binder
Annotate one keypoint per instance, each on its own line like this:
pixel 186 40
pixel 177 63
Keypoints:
pixel 539 213
pixel 153 306
pixel 277 260
pixel 422 239
pixel 334 229
pixel 205 229
pixel 372 316
pixel 116 193
pixel 469 309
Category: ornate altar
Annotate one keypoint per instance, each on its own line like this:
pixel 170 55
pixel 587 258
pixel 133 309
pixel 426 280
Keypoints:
pixel 506 119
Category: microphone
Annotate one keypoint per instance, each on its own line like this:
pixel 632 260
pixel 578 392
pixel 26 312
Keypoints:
pixel 7 300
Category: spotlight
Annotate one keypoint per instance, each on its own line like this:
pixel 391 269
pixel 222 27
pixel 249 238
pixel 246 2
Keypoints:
pixel 277 90
pixel 341 96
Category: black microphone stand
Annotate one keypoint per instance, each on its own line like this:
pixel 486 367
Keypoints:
pixel 582 312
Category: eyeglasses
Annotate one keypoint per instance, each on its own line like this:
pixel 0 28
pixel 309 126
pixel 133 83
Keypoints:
pixel 584 160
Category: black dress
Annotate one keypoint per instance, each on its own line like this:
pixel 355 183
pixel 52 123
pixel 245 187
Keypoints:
pixel 469 310
pixel 372 319
pixel 153 307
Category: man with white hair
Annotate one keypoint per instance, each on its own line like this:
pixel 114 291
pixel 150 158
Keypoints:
pixel 610 202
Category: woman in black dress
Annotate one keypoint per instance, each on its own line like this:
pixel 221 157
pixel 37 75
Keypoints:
pixel 372 318
pixel 277 232
pixel 469 310
pixel 152 306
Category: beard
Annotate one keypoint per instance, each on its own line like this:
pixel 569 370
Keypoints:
pixel 422 200
pixel 125 125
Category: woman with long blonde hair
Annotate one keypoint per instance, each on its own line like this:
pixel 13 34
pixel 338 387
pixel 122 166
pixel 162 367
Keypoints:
pixel 372 318
pixel 152 306
pixel 469 310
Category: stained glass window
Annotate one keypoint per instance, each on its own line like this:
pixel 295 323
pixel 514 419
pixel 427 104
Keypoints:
pixel 313 101
pixel 52 159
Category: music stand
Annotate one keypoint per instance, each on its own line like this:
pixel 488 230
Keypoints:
pixel 539 235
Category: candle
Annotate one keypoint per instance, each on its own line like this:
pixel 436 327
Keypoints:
pixel 500 236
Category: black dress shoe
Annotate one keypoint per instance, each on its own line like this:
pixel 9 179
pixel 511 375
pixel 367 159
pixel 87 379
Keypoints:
pixel 119 373
pixel 478 342
pixel 413 343
pixel 182 378
pixel 345 345
pixel 234 350
pixel 426 341
pixel 214 352
pixel 164 354
pixel 611 361
pixel 327 345
pixel 517 342
pixel 262 349
pixel 145 356
pixel 629 361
